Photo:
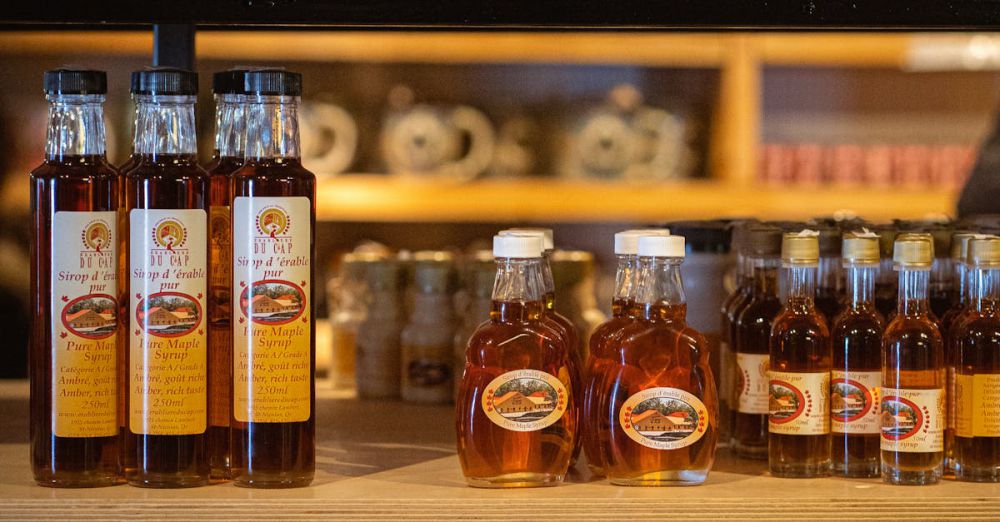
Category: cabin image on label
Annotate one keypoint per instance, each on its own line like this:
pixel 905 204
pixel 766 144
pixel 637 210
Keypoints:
pixel 264 305
pixel 652 421
pixel 902 421
pixel 90 320
pixel 782 404
pixel 158 318
pixel 845 403
pixel 514 404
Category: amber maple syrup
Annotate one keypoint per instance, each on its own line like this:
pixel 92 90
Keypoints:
pixel 74 342
pixel 514 414
pixel 913 380
pixel 948 324
pixel 732 306
pixel 658 391
pixel 857 364
pixel 977 370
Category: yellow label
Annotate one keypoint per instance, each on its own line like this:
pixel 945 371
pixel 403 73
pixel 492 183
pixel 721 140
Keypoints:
pixel 168 344
pixel 664 418
pixel 272 333
pixel 221 262
pixel 84 324
pixel 854 402
pixel 949 409
pixel 913 420
pixel 751 379
pixel 219 379
pixel 525 400
pixel 799 403
pixel 977 405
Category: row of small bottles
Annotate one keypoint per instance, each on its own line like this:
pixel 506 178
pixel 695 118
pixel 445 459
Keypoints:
pixel 142 365
pixel 865 386
pixel 645 406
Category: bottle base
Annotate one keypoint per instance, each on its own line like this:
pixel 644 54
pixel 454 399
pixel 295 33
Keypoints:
pixel 977 474
pixel 899 477
pixel 515 480
pixel 663 478
pixel 744 451
pixel 280 481
pixel 813 470
pixel 166 481
pixel 862 470
pixel 597 471
pixel 78 480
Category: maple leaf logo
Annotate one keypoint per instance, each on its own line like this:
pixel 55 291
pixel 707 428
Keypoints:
pixel 62 335
pixel 65 299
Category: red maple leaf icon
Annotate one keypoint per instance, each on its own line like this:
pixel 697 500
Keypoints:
pixel 200 295
pixel 137 332
pixel 243 283
pixel 138 295
pixel 65 299
pixel 305 319
pixel 241 320
pixel 201 332
pixel 62 335
pixel 302 283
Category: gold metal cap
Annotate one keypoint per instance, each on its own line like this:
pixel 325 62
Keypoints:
pixel 984 252
pixel 960 245
pixel 800 248
pixel 861 248
pixel 913 250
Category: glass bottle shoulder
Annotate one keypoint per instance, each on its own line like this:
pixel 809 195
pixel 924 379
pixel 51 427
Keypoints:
pixel 505 343
pixel 855 322
pixel 800 322
pixel 759 311
pixel 980 329
pixel 642 338
pixel 167 167
pixel 274 170
pixel 78 168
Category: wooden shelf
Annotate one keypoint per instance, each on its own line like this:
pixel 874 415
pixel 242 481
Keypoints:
pixel 384 198
pixel 370 468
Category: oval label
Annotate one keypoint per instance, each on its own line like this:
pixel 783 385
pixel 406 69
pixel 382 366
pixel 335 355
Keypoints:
pixel 664 418
pixel 525 400
pixel 785 402
pixel 901 418
pixel 849 400
pixel 168 314
pixel 91 316
pixel 273 302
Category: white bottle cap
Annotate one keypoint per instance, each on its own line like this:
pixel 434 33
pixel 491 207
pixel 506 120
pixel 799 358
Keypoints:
pixel 661 246
pixel 517 246
pixel 627 242
pixel 544 233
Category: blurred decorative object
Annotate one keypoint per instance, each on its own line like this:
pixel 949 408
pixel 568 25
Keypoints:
pixel 346 301
pixel 427 363
pixel 378 357
pixel 573 273
pixel 624 139
pixel 329 138
pixel 429 141
pixel 516 153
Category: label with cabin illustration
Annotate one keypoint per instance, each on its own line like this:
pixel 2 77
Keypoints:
pixel 272 329
pixel 977 405
pixel 525 400
pixel 168 337
pixel 751 386
pixel 854 402
pixel 798 403
pixel 913 420
pixel 84 324
pixel 664 418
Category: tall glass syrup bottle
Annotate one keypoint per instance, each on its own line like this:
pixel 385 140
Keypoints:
pixel 228 88
pixel 658 391
pixel 949 326
pixel 857 363
pixel 602 341
pixel 913 381
pixel 800 364
pixel 74 337
pixel 732 306
pixel 166 195
pixel 514 415
pixel 751 340
pixel 274 343
pixel 977 371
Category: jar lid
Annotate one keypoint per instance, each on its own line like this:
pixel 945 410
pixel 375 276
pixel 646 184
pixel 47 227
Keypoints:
pixel 384 274
pixel 231 81
pixel 913 250
pixel 661 246
pixel 763 241
pixel 165 81
pixel 434 271
pixel 548 242
pixel 627 241
pixel 273 82
pixel 984 252
pixel 75 81
pixel 522 247
pixel 800 248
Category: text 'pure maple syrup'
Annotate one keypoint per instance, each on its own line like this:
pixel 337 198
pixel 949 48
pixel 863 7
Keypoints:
pixel 857 363
pixel 976 449
pixel 658 390
pixel 913 380
pixel 515 414
pixel 799 372
pixel 274 343
pixel 602 340
pixel 74 337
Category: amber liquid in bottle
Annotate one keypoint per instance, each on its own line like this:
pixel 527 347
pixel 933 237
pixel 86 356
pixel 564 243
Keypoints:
pixel 857 366
pixel 567 330
pixel 949 325
pixel 976 449
pixel 513 356
pixel 660 399
pixel 75 177
pixel 269 454
pixel 800 345
pixel 752 336
pixel 912 360
pixel 166 176
pixel 732 307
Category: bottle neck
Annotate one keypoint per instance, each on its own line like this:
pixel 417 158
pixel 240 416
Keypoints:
pixel 987 296
pixel 861 286
pixel 798 289
pixel 913 285
pixel 76 126
pixel 962 283
pixel 828 275
pixel 660 292
pixel 625 282
pixel 272 128
pixel 765 276
pixel 548 282
pixel 230 134
pixel 941 275
pixel 518 290
pixel 165 125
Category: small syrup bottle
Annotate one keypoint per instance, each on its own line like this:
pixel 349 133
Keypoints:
pixel 977 364
pixel 800 364
pixel 659 392
pixel 913 380
pixel 857 363
pixel 948 326
pixel 74 337
pixel 379 356
pixel 273 217
pixel 623 312
pixel 751 343
pixel 732 306
pixel 228 88
pixel 166 195
pixel 515 419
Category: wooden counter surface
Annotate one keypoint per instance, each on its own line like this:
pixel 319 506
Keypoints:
pixel 388 460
